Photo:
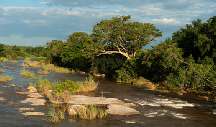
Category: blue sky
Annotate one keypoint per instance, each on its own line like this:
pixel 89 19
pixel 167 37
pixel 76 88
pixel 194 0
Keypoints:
pixel 35 22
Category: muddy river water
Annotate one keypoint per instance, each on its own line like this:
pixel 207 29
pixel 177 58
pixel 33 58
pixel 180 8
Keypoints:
pixel 156 110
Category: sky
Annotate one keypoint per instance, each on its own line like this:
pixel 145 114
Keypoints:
pixel 35 22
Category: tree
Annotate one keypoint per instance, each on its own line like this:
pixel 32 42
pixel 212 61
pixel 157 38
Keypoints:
pixel 55 48
pixel 198 39
pixel 2 50
pixel 79 51
pixel 157 63
pixel 122 36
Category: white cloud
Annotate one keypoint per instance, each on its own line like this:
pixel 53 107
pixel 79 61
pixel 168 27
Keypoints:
pixel 170 21
pixel 61 11
pixel 34 22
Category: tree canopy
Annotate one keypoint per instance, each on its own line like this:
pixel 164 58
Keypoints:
pixel 198 39
pixel 123 36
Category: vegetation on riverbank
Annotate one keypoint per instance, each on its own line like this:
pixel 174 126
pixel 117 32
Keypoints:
pixel 5 78
pixel 45 67
pixel 116 47
pixel 61 89
pixel 27 74
pixel 184 62
pixel 57 113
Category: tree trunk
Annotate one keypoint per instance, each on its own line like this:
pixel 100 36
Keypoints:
pixel 115 52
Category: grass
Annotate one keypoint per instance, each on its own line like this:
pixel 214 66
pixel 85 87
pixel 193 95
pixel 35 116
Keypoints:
pixel 76 87
pixel 29 63
pixel 88 85
pixel 5 78
pixel 27 74
pixel 68 85
pixel 53 68
pixel 57 113
pixel 143 83
pixel 91 112
pixel 44 86
pixel 54 115
pixel 3 59
pixel 46 68
pixel 61 91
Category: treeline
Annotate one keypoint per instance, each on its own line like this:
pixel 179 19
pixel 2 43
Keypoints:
pixel 15 52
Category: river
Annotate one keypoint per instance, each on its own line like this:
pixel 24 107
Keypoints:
pixel 157 110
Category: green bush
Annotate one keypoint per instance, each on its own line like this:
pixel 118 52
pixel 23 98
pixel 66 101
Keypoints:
pixel 127 72
pixel 157 63
pixel 43 86
pixel 109 64
pixel 68 85
pixel 198 77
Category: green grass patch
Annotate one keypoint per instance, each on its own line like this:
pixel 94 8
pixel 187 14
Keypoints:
pixel 27 74
pixel 3 59
pixel 53 68
pixel 5 78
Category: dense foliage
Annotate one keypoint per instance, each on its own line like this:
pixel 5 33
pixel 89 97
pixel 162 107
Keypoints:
pixel 115 47
pixel 198 39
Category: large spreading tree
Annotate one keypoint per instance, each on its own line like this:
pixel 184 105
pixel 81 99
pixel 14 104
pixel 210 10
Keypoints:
pixel 122 36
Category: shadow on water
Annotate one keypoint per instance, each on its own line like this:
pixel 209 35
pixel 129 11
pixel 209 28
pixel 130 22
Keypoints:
pixel 156 110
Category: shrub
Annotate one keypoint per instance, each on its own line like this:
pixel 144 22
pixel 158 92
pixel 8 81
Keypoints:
pixel 44 86
pixel 88 85
pixel 156 64
pixel 198 77
pixel 127 72
pixel 109 64
pixel 68 85
pixel 144 83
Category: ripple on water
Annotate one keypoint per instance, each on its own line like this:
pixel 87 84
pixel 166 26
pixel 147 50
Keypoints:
pixel 161 113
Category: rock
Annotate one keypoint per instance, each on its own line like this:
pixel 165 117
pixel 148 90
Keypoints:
pixel 214 111
pixel 2 99
pixel 130 122
pixel 22 93
pixel 34 101
pixel 33 114
pixel 43 72
pixel 74 109
pixel 35 95
pixel 26 109
pixel 86 100
pixel 115 109
pixel 32 89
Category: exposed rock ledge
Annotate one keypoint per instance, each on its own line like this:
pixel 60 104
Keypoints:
pixel 114 105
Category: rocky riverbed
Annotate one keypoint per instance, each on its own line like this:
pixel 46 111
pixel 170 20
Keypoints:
pixel 17 110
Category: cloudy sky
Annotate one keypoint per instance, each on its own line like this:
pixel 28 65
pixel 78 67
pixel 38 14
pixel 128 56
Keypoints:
pixel 35 22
